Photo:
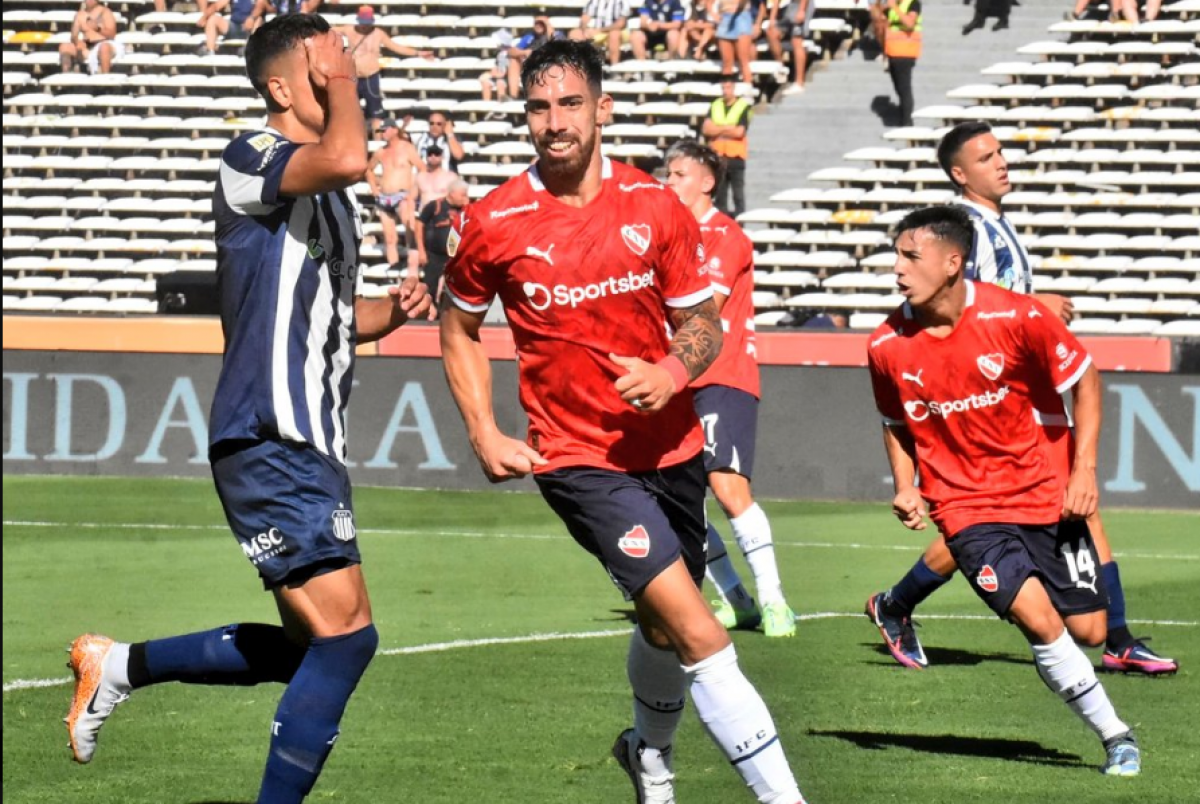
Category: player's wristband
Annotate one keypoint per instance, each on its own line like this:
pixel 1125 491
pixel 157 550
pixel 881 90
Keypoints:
pixel 329 78
pixel 676 369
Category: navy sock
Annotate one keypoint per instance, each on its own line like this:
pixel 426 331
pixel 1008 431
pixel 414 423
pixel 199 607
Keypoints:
pixel 306 722
pixel 243 654
pixel 919 583
pixel 1118 631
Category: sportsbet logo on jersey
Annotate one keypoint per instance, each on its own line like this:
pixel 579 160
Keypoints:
pixel 919 410
pixel 541 297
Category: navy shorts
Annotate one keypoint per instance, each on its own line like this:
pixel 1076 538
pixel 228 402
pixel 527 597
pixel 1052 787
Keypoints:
pixel 290 508
pixel 371 96
pixel 730 420
pixel 997 559
pixel 636 524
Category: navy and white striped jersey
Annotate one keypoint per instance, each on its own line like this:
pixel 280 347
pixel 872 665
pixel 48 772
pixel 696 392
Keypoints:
pixel 287 271
pixel 997 256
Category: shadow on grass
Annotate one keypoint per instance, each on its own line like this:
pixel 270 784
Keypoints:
pixel 951 657
pixel 1012 750
pixel 625 615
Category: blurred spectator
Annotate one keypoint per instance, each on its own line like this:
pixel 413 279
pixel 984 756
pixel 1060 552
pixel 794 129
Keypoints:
pixel 603 22
pixel 660 24
pixel 799 20
pixel 767 24
pixel 902 48
pixel 513 55
pixel 494 82
pixel 725 129
pixel 733 37
pixel 879 23
pixel 441 134
pixel 999 9
pixel 825 320
pixel 238 25
pixel 282 7
pixel 698 31
pixel 433 231
pixel 398 163
pixel 435 181
pixel 93 39
pixel 1125 9
pixel 365 42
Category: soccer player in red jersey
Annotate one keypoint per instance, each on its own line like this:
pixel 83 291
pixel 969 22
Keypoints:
pixel 593 261
pixel 974 161
pixel 727 401
pixel 957 371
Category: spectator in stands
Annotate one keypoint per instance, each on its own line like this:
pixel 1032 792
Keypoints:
pixel 766 24
pixel 238 25
pixel 93 39
pixel 282 8
pixel 365 42
pixel 879 24
pixel 902 48
pixel 435 181
pixel 515 53
pixel 1127 9
pixel 733 37
pixel 725 129
pixel 825 320
pixel 603 22
pixel 399 164
pixel 494 82
pixel 999 9
pixel 660 24
pixel 799 25
pixel 441 134
pixel 698 31
pixel 433 227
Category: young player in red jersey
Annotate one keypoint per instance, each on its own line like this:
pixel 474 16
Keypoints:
pixel 974 162
pixel 957 371
pixel 592 261
pixel 727 401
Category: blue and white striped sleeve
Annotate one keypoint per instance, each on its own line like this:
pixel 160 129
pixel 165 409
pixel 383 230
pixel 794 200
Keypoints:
pixel 252 170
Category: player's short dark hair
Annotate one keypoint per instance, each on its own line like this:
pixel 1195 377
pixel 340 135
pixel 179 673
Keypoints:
pixel 955 139
pixel 274 39
pixel 700 153
pixel 947 222
pixel 582 57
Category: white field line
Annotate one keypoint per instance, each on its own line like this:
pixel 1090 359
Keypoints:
pixel 458 644
pixel 467 534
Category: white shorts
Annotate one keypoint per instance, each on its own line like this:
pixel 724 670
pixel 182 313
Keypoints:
pixel 93 59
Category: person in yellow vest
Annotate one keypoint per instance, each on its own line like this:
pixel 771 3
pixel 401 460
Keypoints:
pixel 902 48
pixel 725 129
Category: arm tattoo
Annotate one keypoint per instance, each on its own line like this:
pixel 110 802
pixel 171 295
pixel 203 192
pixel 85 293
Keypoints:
pixel 697 340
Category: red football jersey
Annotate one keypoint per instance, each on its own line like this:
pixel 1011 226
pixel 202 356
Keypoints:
pixel 578 284
pixel 968 401
pixel 730 266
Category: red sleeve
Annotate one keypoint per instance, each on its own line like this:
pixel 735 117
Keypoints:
pixel 732 257
pixel 887 395
pixel 681 257
pixel 1058 352
pixel 471 280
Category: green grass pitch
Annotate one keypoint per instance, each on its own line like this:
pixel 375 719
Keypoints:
pixel 487 715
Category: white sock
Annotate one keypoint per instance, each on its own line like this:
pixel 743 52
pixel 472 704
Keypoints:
pixel 116 666
pixel 659 695
pixel 722 575
pixel 736 718
pixel 1066 670
pixel 753 532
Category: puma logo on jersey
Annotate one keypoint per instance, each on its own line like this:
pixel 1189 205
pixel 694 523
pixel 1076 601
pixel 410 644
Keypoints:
pixel 904 375
pixel 530 251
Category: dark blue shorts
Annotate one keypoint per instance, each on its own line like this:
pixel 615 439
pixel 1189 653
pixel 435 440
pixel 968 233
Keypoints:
pixel 997 559
pixel 637 525
pixel 371 95
pixel 730 420
pixel 290 508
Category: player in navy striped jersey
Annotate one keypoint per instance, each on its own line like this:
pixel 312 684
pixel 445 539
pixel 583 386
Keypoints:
pixel 287 235
pixel 973 159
